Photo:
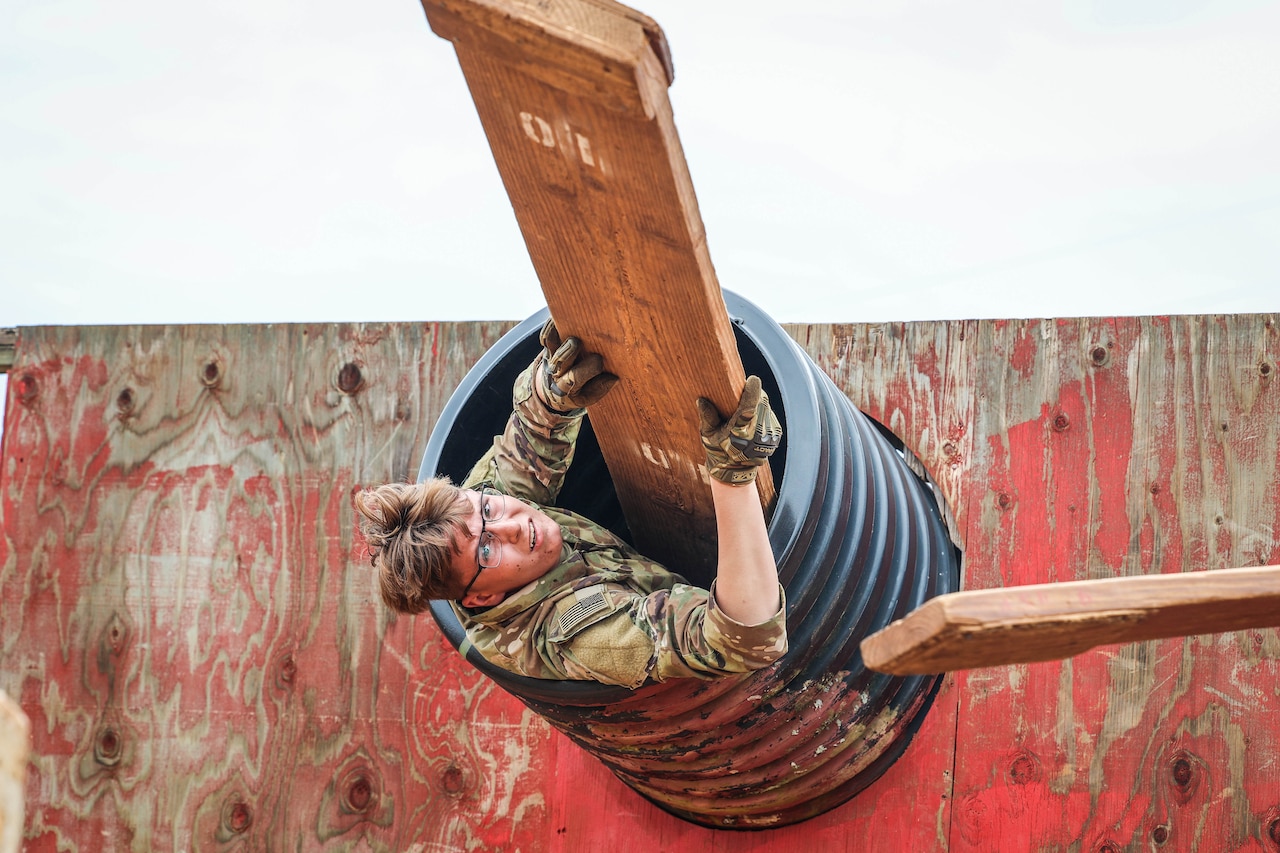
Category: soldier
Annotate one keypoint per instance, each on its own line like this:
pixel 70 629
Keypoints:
pixel 546 593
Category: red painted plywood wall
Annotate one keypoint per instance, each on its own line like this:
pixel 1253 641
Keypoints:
pixel 188 619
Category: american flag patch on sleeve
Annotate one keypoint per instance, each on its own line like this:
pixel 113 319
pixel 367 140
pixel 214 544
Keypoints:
pixel 588 604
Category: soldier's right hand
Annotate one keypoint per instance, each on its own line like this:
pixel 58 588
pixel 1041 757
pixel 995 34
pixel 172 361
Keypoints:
pixel 568 377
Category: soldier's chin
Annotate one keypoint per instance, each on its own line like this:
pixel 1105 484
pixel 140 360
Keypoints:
pixel 552 540
pixel 549 540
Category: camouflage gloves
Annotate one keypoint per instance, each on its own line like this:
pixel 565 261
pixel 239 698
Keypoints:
pixel 566 377
pixel 736 447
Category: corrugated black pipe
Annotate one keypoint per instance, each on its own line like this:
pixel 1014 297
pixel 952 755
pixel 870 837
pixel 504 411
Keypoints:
pixel 859 542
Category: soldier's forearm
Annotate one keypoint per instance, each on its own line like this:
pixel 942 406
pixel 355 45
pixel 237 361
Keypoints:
pixel 746 575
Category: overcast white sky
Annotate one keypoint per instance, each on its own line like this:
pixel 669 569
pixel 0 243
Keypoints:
pixel 280 160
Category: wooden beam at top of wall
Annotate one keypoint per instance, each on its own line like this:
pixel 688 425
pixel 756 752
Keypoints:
pixel 573 98
pixel 8 348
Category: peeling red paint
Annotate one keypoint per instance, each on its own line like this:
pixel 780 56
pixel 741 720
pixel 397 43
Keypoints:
pixel 1024 352
pixel 199 633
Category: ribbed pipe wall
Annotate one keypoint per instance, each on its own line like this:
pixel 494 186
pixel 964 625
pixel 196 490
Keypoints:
pixel 859 542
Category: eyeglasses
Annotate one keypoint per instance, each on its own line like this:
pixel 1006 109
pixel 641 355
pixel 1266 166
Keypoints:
pixel 488 553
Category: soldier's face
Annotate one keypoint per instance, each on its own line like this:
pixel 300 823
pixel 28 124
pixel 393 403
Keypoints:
pixel 520 544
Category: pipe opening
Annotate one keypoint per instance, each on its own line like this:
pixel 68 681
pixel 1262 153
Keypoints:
pixel 859 540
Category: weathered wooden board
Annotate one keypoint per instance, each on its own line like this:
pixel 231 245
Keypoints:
pixel 188 618
pixel 189 621
pixel 980 628
pixel 573 98
pixel 1120 447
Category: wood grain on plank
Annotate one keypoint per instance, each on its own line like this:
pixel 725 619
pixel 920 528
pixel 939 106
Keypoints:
pixel 1040 622
pixel 573 99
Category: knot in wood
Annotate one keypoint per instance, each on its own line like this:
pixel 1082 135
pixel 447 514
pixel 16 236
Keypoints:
pixel 211 373
pixel 452 780
pixel 239 817
pixel 349 378
pixel 358 794
pixel 26 388
pixel 1184 776
pixel 114 638
pixel 106 748
pixel 288 669
pixel 1024 769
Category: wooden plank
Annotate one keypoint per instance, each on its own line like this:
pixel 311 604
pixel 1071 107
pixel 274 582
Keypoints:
pixel 1041 622
pixel 572 96
pixel 190 621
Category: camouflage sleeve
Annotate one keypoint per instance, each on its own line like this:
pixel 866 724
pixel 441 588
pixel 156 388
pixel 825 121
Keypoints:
pixel 698 638
pixel 531 457
pixel 676 633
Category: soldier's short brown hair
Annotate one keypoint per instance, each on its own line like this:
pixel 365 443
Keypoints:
pixel 411 530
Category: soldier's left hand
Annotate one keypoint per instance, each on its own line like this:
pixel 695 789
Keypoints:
pixel 569 377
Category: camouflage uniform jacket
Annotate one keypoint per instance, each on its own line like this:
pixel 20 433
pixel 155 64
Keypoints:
pixel 605 612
